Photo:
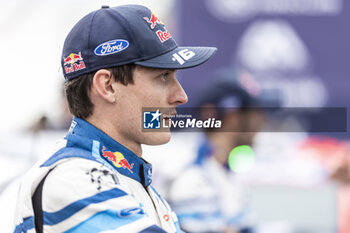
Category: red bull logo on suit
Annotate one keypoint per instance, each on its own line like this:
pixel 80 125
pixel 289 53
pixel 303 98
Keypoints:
pixel 117 159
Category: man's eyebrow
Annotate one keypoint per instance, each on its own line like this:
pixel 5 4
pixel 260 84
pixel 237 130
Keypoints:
pixel 159 71
pixel 169 70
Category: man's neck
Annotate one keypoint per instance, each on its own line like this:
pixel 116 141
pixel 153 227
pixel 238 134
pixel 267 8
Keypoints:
pixel 108 128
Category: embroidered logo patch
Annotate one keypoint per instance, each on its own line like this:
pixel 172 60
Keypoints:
pixel 163 35
pixel 117 159
pixel 111 47
pixel 153 20
pixel 73 62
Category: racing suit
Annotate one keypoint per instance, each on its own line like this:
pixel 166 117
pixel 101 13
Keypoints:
pixel 91 184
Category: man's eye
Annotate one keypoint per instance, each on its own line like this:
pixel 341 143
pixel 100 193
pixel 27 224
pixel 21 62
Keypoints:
pixel 165 76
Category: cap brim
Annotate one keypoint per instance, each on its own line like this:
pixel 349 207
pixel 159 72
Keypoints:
pixel 180 58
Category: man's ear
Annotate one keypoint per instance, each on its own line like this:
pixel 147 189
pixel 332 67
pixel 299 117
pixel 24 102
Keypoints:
pixel 102 85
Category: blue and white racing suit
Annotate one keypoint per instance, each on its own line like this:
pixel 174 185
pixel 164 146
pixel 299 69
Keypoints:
pixel 91 184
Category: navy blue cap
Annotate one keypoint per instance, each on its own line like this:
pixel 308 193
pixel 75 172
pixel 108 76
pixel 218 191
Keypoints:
pixel 122 35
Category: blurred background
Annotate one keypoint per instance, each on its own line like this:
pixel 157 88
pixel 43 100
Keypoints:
pixel 295 51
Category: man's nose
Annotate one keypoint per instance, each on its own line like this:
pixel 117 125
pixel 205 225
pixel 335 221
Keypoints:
pixel 179 95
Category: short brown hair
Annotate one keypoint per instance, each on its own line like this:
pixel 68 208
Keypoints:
pixel 78 89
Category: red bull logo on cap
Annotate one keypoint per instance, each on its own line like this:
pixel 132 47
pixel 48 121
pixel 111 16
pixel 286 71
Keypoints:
pixel 117 159
pixel 71 63
pixel 154 20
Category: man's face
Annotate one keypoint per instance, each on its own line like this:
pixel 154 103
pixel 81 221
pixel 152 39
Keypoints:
pixel 155 88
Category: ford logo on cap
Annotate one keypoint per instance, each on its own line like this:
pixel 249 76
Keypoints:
pixel 111 47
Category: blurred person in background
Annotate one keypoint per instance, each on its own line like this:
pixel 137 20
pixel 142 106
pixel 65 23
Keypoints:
pixel 206 196
pixel 116 61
